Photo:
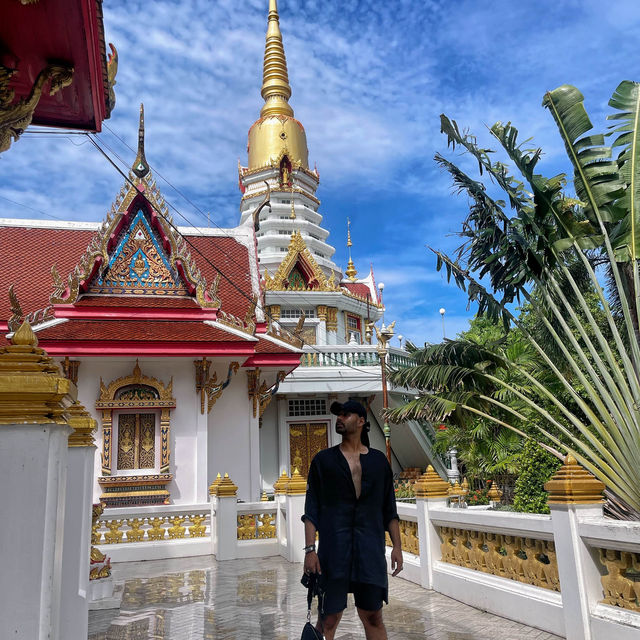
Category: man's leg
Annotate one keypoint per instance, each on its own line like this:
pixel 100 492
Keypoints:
pixel 328 625
pixel 373 625
pixel 334 603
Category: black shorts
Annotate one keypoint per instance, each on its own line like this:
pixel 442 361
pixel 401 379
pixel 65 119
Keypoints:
pixel 368 597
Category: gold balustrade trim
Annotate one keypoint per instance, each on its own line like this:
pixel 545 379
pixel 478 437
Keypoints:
pixel 253 526
pixel 172 527
pixel 522 559
pixel 621 583
pixel 408 537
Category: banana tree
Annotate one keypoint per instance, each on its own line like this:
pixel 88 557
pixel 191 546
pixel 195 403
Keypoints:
pixel 542 238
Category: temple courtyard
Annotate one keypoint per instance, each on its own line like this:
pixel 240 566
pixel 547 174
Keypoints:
pixel 194 598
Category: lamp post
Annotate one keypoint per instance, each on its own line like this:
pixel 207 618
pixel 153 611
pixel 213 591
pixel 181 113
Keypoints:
pixel 442 310
pixel 384 335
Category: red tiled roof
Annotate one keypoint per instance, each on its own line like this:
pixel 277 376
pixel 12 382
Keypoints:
pixel 359 288
pixel 26 258
pixel 136 330
pixel 27 255
pixel 266 346
pixel 232 259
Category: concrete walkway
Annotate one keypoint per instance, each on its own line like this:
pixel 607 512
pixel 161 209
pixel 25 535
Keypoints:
pixel 199 598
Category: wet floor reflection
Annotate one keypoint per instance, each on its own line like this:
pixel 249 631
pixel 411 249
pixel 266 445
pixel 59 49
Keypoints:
pixel 263 598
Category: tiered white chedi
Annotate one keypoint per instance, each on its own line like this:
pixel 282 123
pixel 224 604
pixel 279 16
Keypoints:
pixel 301 278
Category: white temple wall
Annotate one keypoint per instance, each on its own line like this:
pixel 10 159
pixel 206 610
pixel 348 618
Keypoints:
pixel 270 466
pixel 233 441
pixel 188 474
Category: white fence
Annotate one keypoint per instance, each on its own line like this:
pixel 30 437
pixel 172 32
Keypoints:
pixel 573 573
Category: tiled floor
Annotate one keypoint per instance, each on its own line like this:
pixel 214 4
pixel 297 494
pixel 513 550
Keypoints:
pixel 199 598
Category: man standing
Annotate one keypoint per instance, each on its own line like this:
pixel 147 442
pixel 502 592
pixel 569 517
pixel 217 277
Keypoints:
pixel 350 502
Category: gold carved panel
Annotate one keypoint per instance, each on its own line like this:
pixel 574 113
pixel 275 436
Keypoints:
pixel 305 440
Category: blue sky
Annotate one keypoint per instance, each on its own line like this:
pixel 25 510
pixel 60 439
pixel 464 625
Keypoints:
pixel 369 81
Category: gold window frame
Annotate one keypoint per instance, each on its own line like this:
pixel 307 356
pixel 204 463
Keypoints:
pixel 107 403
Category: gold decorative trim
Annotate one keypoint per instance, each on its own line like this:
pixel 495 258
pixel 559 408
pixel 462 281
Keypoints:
pixel 208 386
pixel 32 387
pixel 107 402
pixel 571 484
pixel 408 537
pixel 83 426
pixel 332 319
pixel 619 584
pixel 526 560
pixel 15 117
pixel 226 488
pixel 70 369
pixel 281 483
pixel 297 485
pixel 274 312
pixel 431 485
pixel 259 394
pixel 213 487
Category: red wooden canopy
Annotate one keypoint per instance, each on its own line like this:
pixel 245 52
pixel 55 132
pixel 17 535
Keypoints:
pixel 35 33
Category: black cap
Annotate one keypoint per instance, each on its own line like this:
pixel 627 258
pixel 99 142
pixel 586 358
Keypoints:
pixel 352 406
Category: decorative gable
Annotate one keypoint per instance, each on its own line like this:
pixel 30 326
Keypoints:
pixel 136 251
pixel 299 271
pixel 139 265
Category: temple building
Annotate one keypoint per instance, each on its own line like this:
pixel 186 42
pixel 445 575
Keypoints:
pixel 201 350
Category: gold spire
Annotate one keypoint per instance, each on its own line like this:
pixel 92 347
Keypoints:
pixel 275 79
pixel 351 269
pixel 276 134
pixel 293 211
pixel 140 165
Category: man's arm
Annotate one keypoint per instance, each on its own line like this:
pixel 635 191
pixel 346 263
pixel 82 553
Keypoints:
pixel 396 551
pixel 311 562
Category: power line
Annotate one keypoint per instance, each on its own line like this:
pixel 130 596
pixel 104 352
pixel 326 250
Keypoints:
pixel 49 215
pixel 205 258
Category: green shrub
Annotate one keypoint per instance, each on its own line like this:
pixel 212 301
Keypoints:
pixel 536 467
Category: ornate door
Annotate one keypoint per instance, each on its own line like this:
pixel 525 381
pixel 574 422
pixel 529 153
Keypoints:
pixel 136 440
pixel 305 440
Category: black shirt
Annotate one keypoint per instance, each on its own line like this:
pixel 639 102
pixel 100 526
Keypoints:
pixel 351 530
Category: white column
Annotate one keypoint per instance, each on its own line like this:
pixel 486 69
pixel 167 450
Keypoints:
pixel 202 438
pixel 295 527
pixel 283 436
pixel 226 527
pixel 33 467
pixel 255 483
pixel 431 493
pixel 579 576
pixel 33 464
pixel 74 610
pixel 428 537
pixel 574 494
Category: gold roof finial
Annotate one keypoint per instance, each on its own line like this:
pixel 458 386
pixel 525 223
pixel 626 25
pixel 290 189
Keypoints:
pixel 351 269
pixel 140 165
pixel 275 79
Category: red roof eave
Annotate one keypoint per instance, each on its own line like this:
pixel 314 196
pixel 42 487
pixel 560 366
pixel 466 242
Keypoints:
pixel 155 348
pixel 133 313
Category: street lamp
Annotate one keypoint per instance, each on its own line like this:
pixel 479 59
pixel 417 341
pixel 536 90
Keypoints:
pixel 384 335
pixel 442 310
pixel 400 339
